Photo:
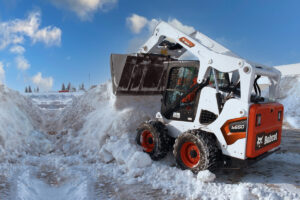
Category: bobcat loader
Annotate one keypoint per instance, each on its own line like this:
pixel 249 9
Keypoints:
pixel 213 111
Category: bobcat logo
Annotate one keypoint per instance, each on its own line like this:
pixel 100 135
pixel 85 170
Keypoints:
pixel 264 139
pixel 259 141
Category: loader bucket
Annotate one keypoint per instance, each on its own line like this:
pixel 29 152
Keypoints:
pixel 140 74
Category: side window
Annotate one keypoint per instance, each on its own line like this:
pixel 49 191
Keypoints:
pixel 222 77
pixel 228 83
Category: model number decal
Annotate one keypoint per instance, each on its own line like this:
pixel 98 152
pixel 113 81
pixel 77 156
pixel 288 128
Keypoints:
pixel 239 126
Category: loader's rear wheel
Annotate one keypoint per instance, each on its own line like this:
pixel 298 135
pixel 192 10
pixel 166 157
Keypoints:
pixel 196 150
pixel 154 139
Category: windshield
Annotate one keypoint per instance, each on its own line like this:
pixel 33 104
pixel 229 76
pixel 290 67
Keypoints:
pixel 180 81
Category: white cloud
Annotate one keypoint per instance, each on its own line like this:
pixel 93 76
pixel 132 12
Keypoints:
pixel 184 28
pixel 15 31
pixel 136 23
pixel 2 73
pixel 44 83
pixel 84 8
pixel 22 63
pixel 152 24
pixel 49 35
pixel 17 49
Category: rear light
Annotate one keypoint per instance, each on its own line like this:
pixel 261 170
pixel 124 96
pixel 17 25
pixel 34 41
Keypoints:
pixel 258 119
pixel 279 115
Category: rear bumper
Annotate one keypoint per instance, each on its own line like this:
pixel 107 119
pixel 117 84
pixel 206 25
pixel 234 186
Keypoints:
pixel 234 163
pixel 264 128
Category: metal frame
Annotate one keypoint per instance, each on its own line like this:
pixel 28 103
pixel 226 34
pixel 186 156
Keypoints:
pixel 219 58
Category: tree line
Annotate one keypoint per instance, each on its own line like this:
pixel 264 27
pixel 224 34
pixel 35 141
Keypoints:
pixel 69 88
pixel 29 90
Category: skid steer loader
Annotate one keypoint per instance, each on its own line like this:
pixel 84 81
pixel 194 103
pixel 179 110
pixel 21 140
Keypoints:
pixel 213 111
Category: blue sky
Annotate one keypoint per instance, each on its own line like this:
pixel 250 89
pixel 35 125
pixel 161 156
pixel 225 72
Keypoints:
pixel 75 38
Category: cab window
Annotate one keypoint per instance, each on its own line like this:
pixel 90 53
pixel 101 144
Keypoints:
pixel 180 80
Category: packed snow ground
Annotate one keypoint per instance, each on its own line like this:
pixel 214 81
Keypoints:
pixel 81 147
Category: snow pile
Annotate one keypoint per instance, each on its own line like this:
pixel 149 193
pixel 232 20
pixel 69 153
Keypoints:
pixel 54 119
pixel 206 176
pixel 65 143
pixel 290 98
pixel 50 177
pixel 98 118
pixel 243 193
pixel 32 165
pixel 18 119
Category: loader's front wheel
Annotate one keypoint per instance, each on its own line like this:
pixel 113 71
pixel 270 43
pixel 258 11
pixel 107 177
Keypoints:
pixel 196 150
pixel 154 139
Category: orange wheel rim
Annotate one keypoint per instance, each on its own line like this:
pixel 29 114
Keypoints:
pixel 190 154
pixel 147 141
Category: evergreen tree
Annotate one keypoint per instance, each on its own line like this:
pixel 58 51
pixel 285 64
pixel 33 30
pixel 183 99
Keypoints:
pixel 38 89
pixel 81 87
pixel 26 89
pixel 29 89
pixel 63 87
pixel 69 86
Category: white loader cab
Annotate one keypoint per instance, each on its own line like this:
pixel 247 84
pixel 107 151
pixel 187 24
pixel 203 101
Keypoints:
pixel 212 108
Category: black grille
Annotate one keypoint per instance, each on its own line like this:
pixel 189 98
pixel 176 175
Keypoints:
pixel 207 117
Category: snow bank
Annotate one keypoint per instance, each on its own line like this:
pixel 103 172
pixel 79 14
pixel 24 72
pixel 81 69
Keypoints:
pixel 96 132
pixel 290 98
pixel 107 125
pixel 289 70
pixel 18 119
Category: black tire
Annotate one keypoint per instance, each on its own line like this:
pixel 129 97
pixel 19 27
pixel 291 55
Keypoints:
pixel 161 141
pixel 196 150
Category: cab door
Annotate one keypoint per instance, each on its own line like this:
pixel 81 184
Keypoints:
pixel 182 76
